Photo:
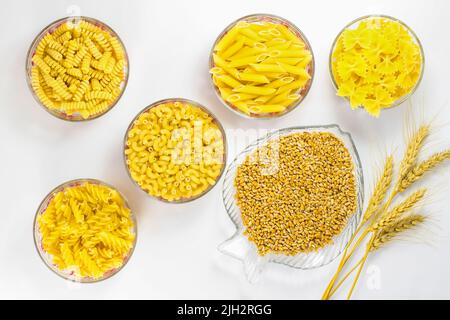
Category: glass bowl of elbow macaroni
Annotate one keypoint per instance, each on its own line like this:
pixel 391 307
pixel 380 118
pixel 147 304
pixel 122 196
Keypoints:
pixel 77 68
pixel 175 150
pixel 84 231
pixel 261 66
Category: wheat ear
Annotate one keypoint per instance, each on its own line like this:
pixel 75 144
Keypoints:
pixel 422 168
pixel 380 190
pixel 392 231
pixel 411 153
pixel 391 216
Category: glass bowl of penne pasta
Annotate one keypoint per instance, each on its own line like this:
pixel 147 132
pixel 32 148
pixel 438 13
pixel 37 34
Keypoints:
pixel 389 66
pixel 261 66
pixel 175 150
pixel 84 231
pixel 77 68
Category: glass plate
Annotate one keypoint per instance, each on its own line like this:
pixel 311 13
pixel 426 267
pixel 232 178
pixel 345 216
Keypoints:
pixel 238 245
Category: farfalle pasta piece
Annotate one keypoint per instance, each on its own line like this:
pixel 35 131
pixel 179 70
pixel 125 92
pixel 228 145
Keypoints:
pixel 261 67
pixel 376 64
pixel 87 230
pixel 66 61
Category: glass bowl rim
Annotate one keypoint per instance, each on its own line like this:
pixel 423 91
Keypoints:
pixel 39 37
pixel 204 109
pixel 36 230
pixel 358 171
pixel 312 65
pixel 410 31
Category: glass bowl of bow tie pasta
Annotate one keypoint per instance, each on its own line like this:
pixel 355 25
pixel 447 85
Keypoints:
pixel 376 62
pixel 77 68
pixel 175 150
pixel 84 231
pixel 261 66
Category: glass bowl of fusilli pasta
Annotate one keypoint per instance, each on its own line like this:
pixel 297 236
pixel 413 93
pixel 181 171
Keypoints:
pixel 77 68
pixel 388 67
pixel 175 150
pixel 261 66
pixel 84 231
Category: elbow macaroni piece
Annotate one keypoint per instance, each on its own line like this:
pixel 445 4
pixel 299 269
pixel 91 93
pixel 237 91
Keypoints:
pixel 175 151
pixel 376 64
pixel 256 61
pixel 77 63
pixel 87 229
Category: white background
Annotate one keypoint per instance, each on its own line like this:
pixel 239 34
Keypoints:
pixel 168 43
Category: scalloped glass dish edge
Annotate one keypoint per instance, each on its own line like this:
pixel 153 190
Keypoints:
pixel 238 247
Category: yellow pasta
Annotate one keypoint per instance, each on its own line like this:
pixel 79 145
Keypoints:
pixel 376 64
pixel 175 151
pixel 257 61
pixel 68 59
pixel 87 230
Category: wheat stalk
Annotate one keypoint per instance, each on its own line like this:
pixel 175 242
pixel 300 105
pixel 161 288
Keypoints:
pixel 391 216
pixel 380 190
pixel 422 168
pixel 411 153
pixel 392 231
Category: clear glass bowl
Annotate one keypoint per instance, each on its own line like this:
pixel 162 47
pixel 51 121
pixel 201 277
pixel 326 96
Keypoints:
pixel 239 247
pixel 303 92
pixel 49 29
pixel 193 103
pixel 353 25
pixel 47 258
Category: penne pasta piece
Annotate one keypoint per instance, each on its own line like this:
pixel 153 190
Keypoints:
pixel 292 86
pixel 225 92
pixel 280 82
pixel 255 90
pixel 291 61
pixel 239 97
pixel 251 34
pixel 258 26
pixel 300 71
pixel 232 49
pixel 304 62
pixel 293 53
pixel 275 42
pixel 269 108
pixel 230 81
pixel 243 106
pixel 227 39
pixel 245 52
pixel 254 77
pixel 216 70
pixel 280 97
pixel 219 62
pixel 263 99
pixel 260 46
pixel 288 34
pixel 267 67
pixel 243 61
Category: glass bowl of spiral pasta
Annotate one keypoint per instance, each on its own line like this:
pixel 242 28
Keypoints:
pixel 84 231
pixel 77 68
pixel 295 197
pixel 175 150
pixel 376 62
pixel 261 66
